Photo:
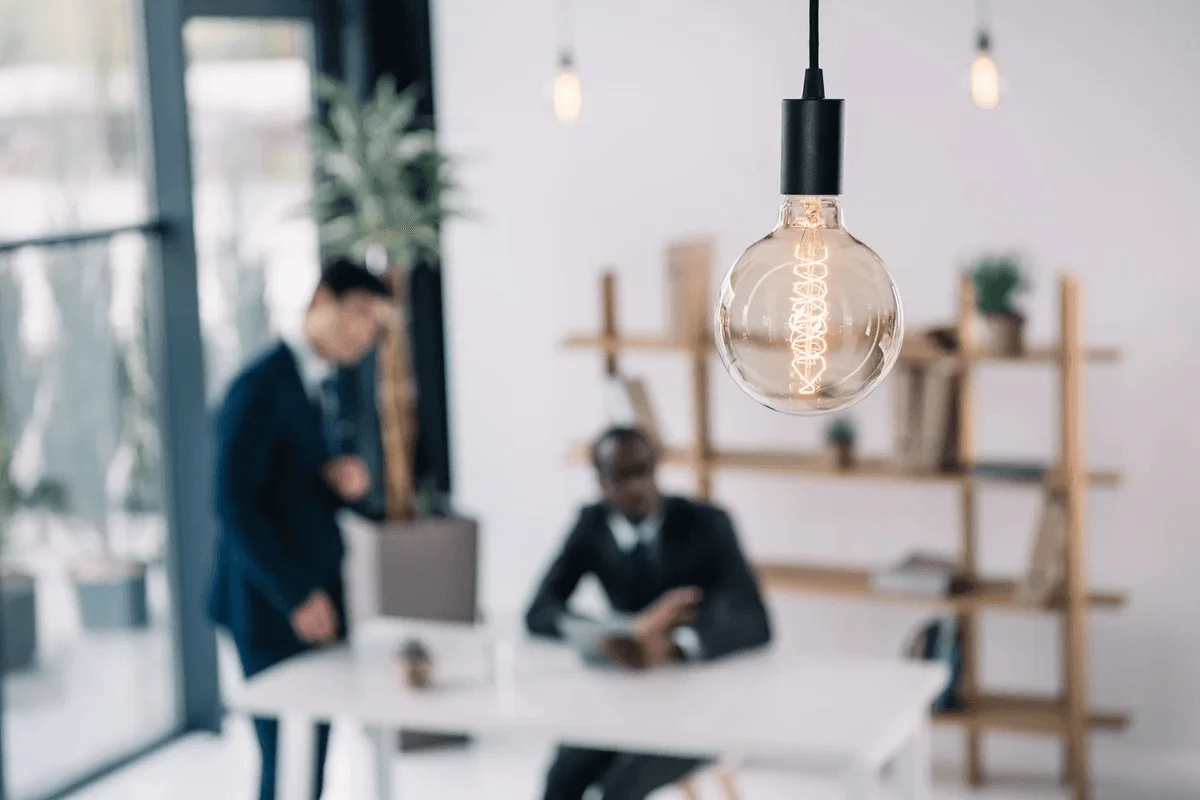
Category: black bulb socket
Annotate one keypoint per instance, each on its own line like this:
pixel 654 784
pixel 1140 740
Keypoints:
pixel 812 142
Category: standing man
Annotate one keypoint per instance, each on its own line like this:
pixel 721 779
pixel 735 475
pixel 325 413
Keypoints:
pixel 680 589
pixel 277 568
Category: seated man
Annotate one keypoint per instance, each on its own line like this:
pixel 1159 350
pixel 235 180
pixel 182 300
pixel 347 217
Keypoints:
pixel 675 576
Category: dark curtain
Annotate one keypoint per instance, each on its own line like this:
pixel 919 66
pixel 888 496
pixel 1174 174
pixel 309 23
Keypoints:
pixel 395 40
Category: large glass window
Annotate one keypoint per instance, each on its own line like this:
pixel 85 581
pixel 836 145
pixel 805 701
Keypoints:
pixel 249 87
pixel 70 108
pixel 89 671
pixel 87 629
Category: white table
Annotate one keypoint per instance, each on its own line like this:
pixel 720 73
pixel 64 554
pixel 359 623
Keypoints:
pixel 851 716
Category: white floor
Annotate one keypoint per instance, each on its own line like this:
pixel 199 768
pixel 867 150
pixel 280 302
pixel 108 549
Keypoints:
pixel 204 767
pixel 91 696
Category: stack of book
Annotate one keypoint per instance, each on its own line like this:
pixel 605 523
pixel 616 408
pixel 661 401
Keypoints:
pixel 917 574
pixel 927 409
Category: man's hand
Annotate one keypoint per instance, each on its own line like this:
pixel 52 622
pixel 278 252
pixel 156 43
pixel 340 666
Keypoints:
pixel 315 620
pixel 674 608
pixel 349 477
pixel 642 653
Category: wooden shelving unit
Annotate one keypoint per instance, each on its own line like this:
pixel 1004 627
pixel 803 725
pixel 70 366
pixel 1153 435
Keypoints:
pixel 1066 716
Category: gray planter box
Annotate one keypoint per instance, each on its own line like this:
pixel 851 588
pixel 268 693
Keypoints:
pixel 428 570
pixel 18 622
pixel 112 595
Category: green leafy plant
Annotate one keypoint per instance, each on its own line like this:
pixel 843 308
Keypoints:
pixel 997 281
pixel 384 184
pixel 840 431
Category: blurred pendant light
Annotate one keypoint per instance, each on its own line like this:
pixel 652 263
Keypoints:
pixel 809 320
pixel 568 89
pixel 985 76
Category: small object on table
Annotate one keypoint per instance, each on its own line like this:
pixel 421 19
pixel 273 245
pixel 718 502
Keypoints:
pixel 416 665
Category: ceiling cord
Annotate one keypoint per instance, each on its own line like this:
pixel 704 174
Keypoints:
pixel 814 81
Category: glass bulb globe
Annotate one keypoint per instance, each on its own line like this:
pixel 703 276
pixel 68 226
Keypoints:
pixel 568 93
pixel 809 320
pixel 985 80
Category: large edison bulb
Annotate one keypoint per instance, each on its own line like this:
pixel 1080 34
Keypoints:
pixel 568 91
pixel 809 320
pixel 985 80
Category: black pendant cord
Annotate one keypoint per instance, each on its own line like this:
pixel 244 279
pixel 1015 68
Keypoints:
pixel 984 40
pixel 812 129
pixel 814 81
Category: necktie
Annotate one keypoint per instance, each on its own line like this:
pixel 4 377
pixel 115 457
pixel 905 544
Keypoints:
pixel 641 568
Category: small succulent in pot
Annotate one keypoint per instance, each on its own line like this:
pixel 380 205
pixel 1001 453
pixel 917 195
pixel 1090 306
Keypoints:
pixel 998 280
pixel 416 664
pixel 839 439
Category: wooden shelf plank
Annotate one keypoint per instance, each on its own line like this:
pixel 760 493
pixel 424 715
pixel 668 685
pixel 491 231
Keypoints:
pixel 1042 354
pixel 626 341
pixel 1022 714
pixel 581 453
pixel 870 469
pixel 914 353
pixel 879 469
pixel 885 469
pixel 856 584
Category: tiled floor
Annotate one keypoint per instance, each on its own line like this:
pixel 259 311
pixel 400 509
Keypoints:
pixel 223 768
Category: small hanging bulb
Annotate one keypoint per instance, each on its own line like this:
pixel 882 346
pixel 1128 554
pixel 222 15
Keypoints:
pixel 568 90
pixel 985 76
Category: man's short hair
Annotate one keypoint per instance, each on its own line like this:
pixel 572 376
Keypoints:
pixel 342 275
pixel 620 433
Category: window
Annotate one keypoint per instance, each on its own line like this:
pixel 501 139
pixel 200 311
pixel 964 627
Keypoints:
pixel 89 671
pixel 249 85
pixel 71 145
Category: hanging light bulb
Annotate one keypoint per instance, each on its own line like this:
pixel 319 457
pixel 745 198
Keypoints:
pixel 985 76
pixel 568 90
pixel 808 320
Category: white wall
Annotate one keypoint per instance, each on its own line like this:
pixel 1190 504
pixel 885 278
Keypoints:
pixel 1089 163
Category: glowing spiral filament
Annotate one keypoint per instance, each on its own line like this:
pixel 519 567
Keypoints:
pixel 808 322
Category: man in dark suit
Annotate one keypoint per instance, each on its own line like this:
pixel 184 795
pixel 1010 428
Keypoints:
pixel 680 589
pixel 277 569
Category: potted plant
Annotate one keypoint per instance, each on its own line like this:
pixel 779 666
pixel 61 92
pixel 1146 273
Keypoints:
pixel 999 327
pixel 839 443
pixel 383 191
pixel 111 587
pixel 18 598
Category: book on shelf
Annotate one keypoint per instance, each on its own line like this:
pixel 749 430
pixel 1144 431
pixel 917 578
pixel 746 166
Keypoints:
pixel 1010 470
pixel 628 403
pixel 926 414
pixel 920 574
pixel 689 268
pixel 940 640
pixel 1047 559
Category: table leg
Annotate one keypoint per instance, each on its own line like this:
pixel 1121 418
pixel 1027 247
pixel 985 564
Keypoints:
pixel 382 745
pixel 913 765
pixel 862 782
pixel 294 767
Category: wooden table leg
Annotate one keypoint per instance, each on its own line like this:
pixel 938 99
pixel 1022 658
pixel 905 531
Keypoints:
pixel 914 767
pixel 294 762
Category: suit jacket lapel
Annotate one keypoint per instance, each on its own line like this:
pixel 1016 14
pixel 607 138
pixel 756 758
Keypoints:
pixel 310 425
